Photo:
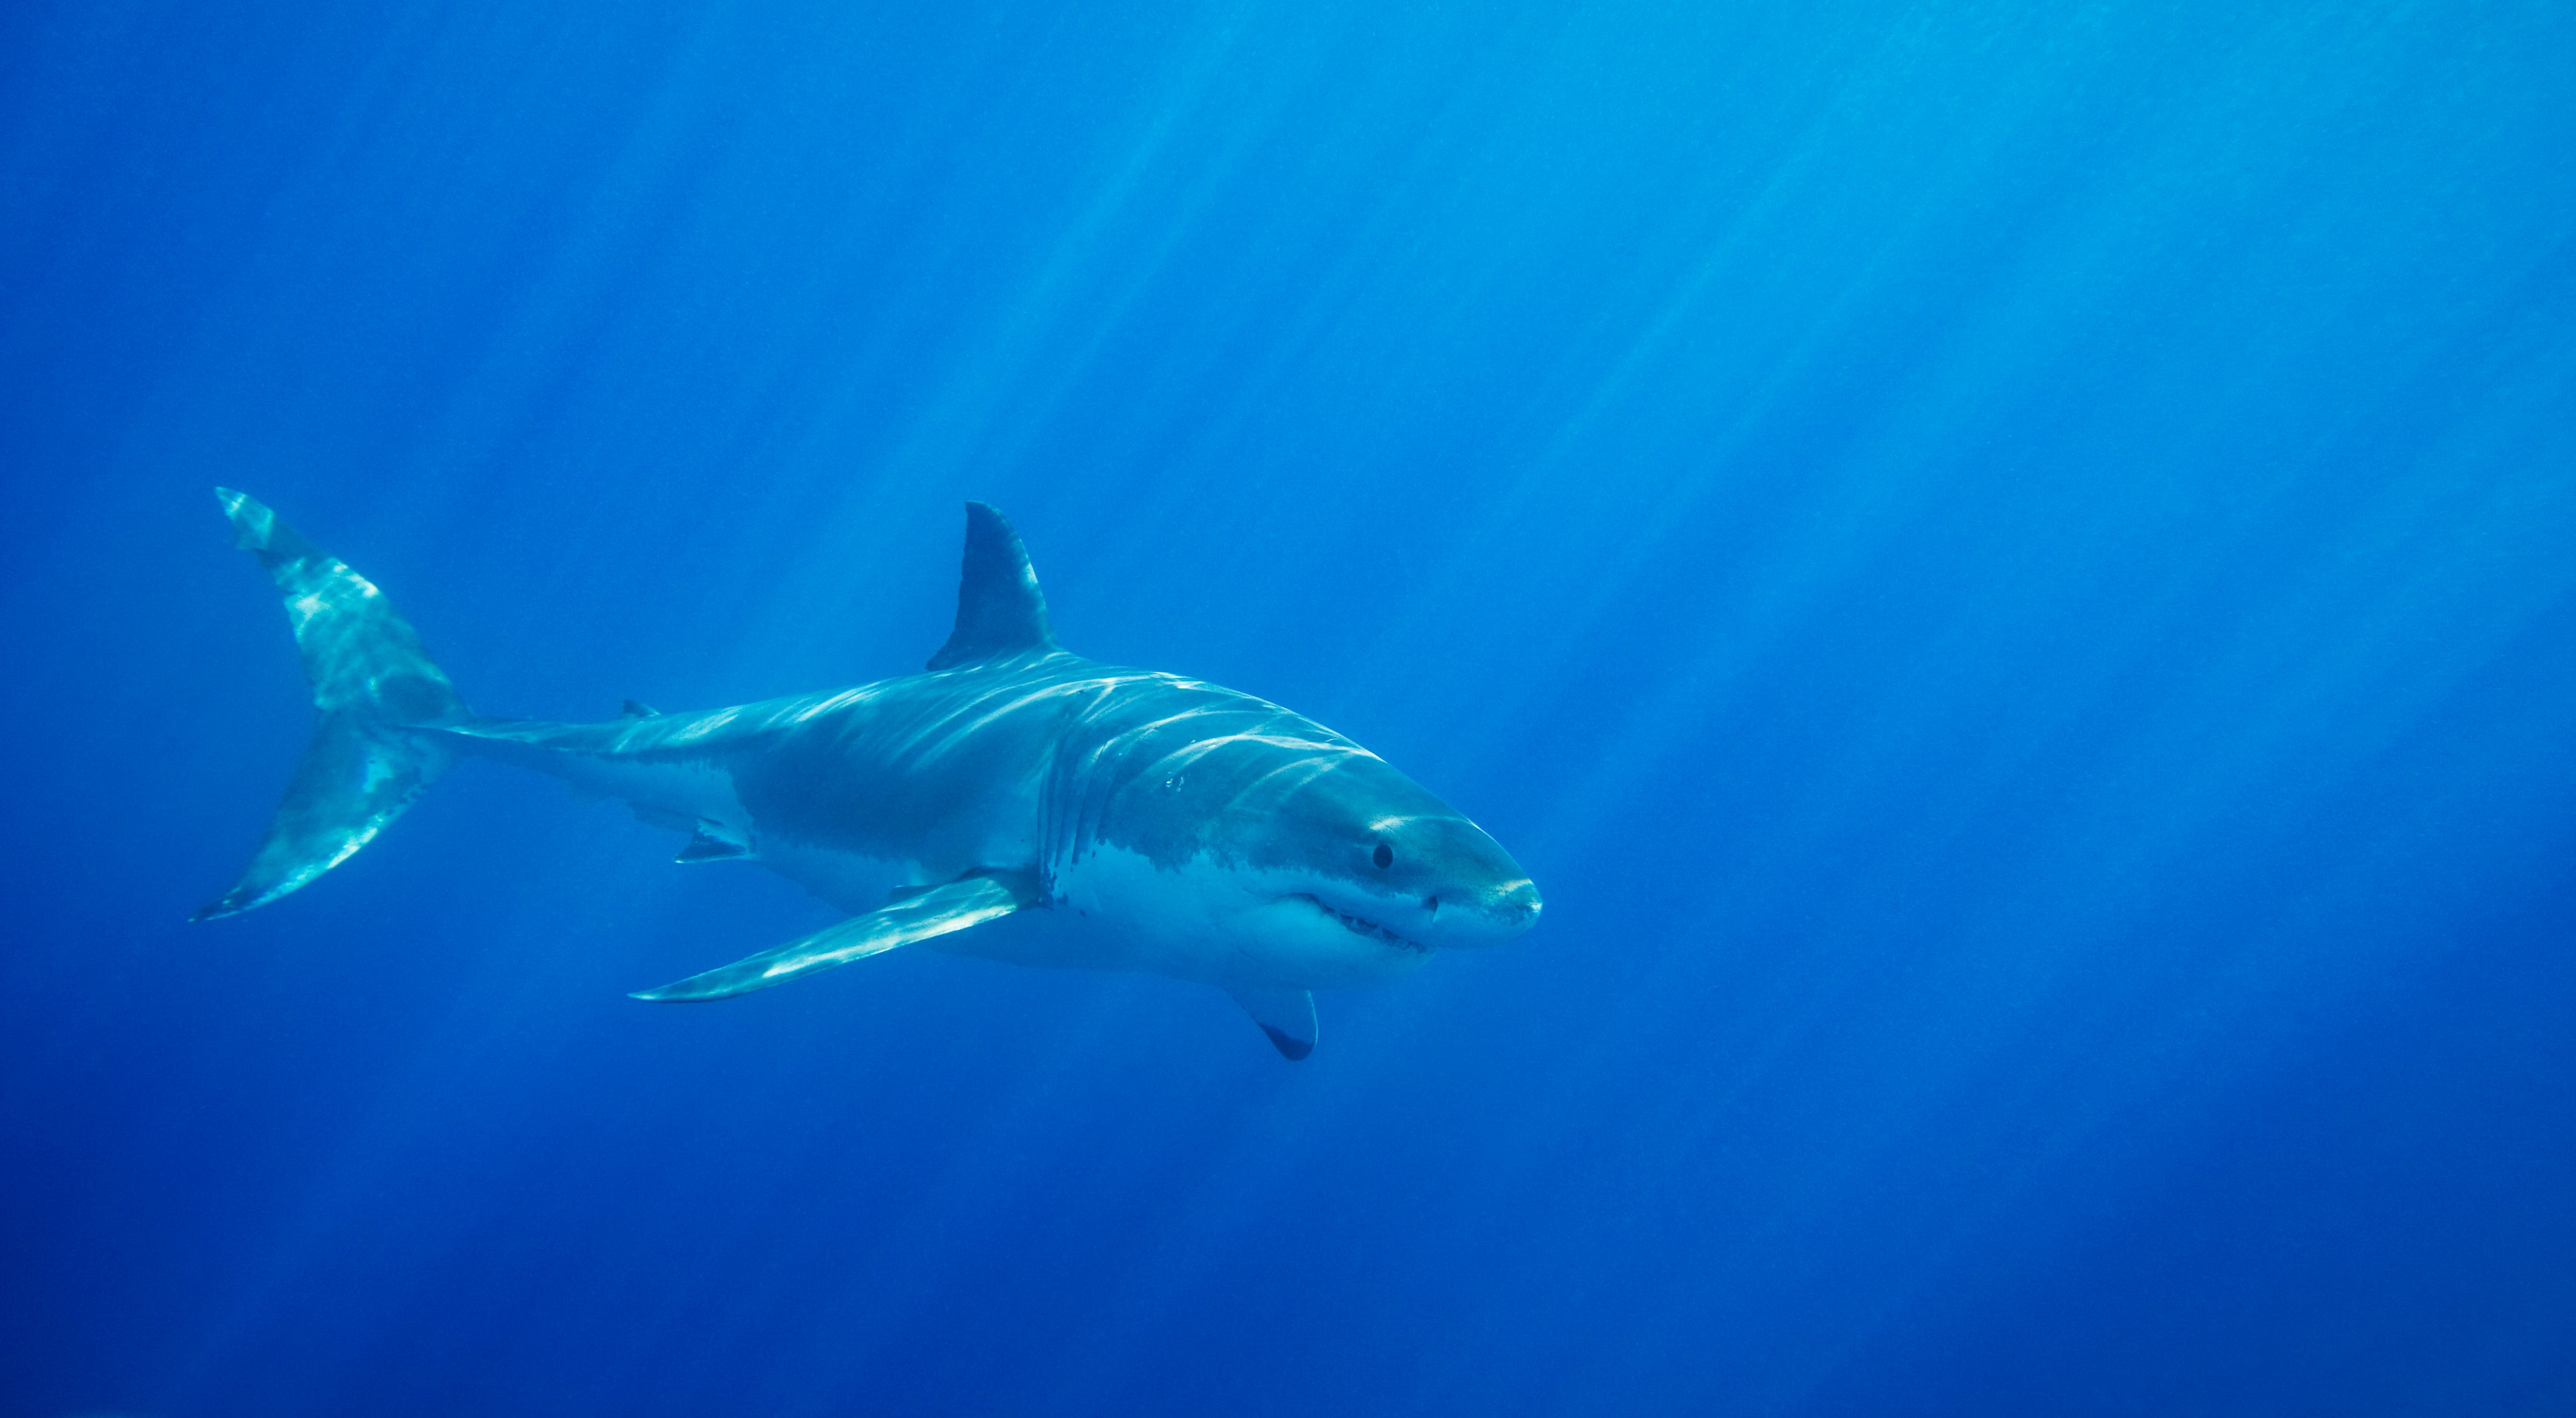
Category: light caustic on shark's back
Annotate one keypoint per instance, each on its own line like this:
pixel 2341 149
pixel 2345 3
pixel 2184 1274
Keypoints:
pixel 1013 801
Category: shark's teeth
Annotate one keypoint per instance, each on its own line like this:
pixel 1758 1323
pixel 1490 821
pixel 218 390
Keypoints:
pixel 1361 925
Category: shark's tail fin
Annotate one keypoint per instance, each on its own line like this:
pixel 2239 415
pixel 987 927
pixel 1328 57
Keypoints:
pixel 372 683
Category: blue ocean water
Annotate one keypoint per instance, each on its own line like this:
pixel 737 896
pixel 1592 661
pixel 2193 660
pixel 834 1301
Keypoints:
pixel 2010 569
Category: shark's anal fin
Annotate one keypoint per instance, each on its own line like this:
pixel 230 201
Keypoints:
pixel 711 841
pixel 936 912
pixel 1285 1013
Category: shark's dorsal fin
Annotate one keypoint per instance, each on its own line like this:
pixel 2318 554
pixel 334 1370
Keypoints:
pixel 1000 611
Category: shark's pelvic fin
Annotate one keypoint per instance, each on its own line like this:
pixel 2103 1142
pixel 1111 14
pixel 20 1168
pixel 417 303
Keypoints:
pixel 1285 1013
pixel 371 681
pixel 713 842
pixel 1000 611
pixel 936 912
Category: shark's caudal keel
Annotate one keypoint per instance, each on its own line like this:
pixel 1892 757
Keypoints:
pixel 1014 801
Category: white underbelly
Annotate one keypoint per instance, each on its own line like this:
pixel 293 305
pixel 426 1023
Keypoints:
pixel 1222 926
pixel 850 882
pixel 1053 938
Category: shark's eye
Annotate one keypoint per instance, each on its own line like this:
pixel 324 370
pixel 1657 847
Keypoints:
pixel 1384 856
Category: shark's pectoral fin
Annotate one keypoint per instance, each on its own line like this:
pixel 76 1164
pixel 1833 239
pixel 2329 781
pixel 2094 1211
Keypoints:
pixel 1284 1013
pixel 936 912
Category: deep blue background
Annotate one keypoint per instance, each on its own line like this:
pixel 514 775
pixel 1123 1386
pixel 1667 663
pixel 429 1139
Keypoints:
pixel 2010 568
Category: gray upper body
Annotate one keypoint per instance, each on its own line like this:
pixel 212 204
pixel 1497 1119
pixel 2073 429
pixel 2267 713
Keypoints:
pixel 1013 801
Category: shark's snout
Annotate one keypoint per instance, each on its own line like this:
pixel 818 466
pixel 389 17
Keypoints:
pixel 1488 917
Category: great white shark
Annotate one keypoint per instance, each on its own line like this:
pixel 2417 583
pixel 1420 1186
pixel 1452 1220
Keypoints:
pixel 1013 801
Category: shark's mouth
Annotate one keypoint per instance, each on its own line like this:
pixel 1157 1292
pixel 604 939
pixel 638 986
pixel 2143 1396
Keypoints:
pixel 1363 926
